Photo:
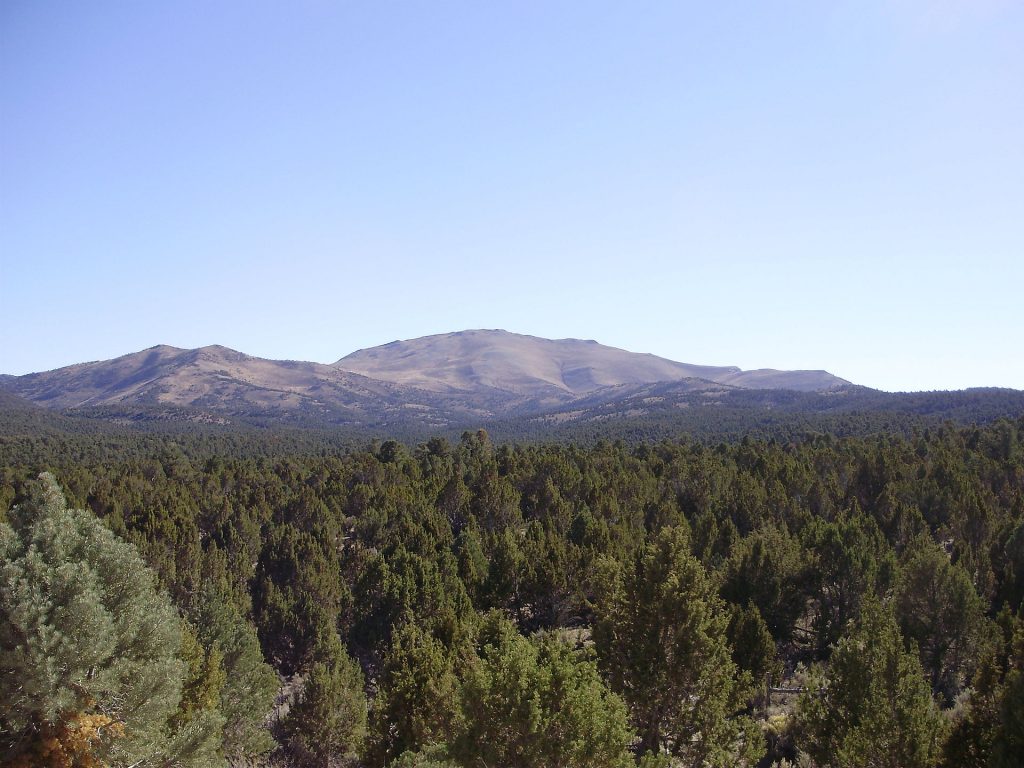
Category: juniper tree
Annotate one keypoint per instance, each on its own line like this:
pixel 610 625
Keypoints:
pixel 326 725
pixel 661 638
pixel 871 705
pixel 250 684
pixel 534 703
pixel 417 702
pixel 938 609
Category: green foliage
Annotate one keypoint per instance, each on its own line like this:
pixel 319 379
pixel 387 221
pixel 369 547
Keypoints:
pixel 326 724
pixel 506 570
pixel 850 560
pixel 1012 590
pixel 767 569
pixel 1008 743
pixel 871 705
pixel 661 636
pixel 753 649
pixel 939 611
pixel 299 594
pixel 204 676
pixel 394 549
pixel 988 728
pixel 418 700
pixel 249 685
pixel 973 730
pixel 435 756
pixel 84 631
pixel 473 565
pixel 536 703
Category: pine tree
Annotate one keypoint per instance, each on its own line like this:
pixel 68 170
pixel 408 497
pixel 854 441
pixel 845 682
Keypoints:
pixel 89 669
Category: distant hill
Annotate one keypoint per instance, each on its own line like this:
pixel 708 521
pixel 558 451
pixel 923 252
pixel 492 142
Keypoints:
pixel 672 410
pixel 519 386
pixel 467 361
pixel 221 382
pixel 11 402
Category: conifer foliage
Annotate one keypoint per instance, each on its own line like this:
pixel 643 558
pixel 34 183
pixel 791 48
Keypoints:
pixel 536 702
pixel 872 706
pixel 90 669
pixel 469 604
pixel 662 641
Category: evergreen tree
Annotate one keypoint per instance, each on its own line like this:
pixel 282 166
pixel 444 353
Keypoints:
pixel 204 676
pixel 90 647
pixel 326 725
pixel 1008 744
pixel 661 637
pixel 850 561
pixel 473 566
pixel 250 684
pixel 938 610
pixel 767 569
pixel 537 703
pixel 871 706
pixel 417 703
pixel 753 649
pixel 989 731
pixel 434 756
pixel 298 595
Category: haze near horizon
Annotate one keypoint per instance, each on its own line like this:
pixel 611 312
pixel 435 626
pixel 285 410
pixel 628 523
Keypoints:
pixel 836 186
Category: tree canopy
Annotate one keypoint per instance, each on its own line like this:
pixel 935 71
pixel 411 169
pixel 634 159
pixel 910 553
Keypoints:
pixel 90 666
pixel 308 602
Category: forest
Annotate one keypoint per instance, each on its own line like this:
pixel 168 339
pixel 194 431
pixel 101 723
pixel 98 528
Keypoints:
pixel 812 601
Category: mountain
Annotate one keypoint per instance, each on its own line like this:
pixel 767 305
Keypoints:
pixel 520 386
pixel 469 361
pixel 433 381
pixel 10 402
pixel 220 381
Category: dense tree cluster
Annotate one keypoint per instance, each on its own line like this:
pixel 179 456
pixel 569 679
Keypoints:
pixel 828 601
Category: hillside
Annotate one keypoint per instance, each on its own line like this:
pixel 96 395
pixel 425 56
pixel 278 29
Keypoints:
pixel 520 387
pixel 218 380
pixel 468 361
pixel 436 381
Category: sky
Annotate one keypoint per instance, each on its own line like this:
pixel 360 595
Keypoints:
pixel 834 185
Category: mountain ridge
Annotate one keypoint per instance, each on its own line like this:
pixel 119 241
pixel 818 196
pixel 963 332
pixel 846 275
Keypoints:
pixel 519 363
pixel 445 382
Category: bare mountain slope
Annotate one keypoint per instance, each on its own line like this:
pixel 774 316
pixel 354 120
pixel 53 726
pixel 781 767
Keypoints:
pixel 769 378
pixel 221 380
pixel 533 367
pixel 436 381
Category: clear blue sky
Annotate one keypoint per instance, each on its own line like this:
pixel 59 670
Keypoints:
pixel 832 185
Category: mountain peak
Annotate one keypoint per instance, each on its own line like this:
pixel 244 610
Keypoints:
pixel 464 376
pixel 496 359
